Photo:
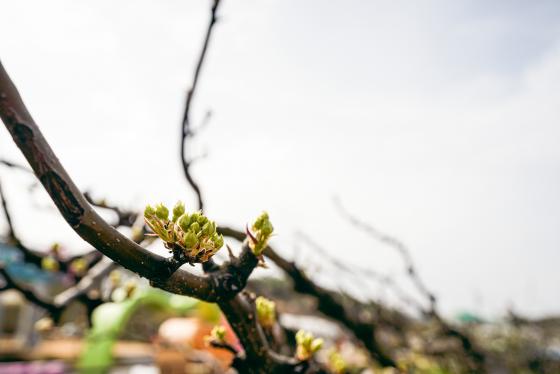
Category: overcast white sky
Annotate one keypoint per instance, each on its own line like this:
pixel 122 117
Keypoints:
pixel 436 121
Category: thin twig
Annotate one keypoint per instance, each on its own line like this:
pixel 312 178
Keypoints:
pixel 328 302
pixel 399 246
pixel 30 295
pixel 87 283
pixel 13 165
pixel 359 273
pixel 467 344
pixel 11 234
pixel 186 127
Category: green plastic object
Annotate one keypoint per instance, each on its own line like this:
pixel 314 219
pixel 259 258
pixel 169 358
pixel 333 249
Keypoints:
pixel 109 319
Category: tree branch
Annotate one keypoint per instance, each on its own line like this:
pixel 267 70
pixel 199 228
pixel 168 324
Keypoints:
pixel 124 217
pixel 328 302
pixel 86 284
pixel 31 295
pixel 186 130
pixel 11 235
pixel 83 218
pixel 13 165
pixel 399 246
pixel 68 199
pixel 467 344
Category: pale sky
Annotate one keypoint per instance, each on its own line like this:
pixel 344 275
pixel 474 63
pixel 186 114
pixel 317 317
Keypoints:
pixel 435 121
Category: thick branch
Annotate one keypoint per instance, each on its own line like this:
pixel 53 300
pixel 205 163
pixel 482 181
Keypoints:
pixel 81 216
pixel 218 285
pixel 259 357
pixel 68 199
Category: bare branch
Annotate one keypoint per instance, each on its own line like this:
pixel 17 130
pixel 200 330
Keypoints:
pixel 395 243
pixel 83 218
pixel 223 345
pixel 186 127
pixel 467 344
pixel 329 302
pixel 87 283
pixel 11 235
pixel 30 295
pixel 360 274
pixel 13 165
pixel 124 217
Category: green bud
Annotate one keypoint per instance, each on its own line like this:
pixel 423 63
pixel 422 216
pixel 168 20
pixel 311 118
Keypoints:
pixel 49 263
pixel 302 337
pixel 266 228
pixel 316 344
pixel 219 242
pixel 162 212
pixel 307 345
pixel 266 311
pixel 218 335
pixel 260 220
pixel 149 212
pixel 262 230
pixel 195 216
pixel 207 229
pixel 190 239
pixel 178 210
pixel 184 222
pixel 195 227
pixel 78 266
pixel 336 362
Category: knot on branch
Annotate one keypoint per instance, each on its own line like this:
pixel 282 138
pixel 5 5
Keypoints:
pixel 228 284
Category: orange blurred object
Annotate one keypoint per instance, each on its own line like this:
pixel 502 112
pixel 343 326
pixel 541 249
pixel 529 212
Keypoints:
pixel 191 333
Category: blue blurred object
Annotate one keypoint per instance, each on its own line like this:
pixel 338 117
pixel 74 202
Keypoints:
pixel 9 254
pixel 22 272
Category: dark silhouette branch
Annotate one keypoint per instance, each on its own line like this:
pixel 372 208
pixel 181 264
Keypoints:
pixel 85 221
pixel 361 274
pixel 13 165
pixel 225 346
pixel 28 255
pixel 89 282
pixel 67 197
pixel 186 127
pixel 125 218
pixel 222 286
pixel 478 358
pixel 30 295
pixel 11 234
pixel 328 302
pixel 399 246
pixel 56 307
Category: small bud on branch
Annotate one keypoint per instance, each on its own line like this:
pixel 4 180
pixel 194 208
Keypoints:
pixel 307 345
pixel 266 311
